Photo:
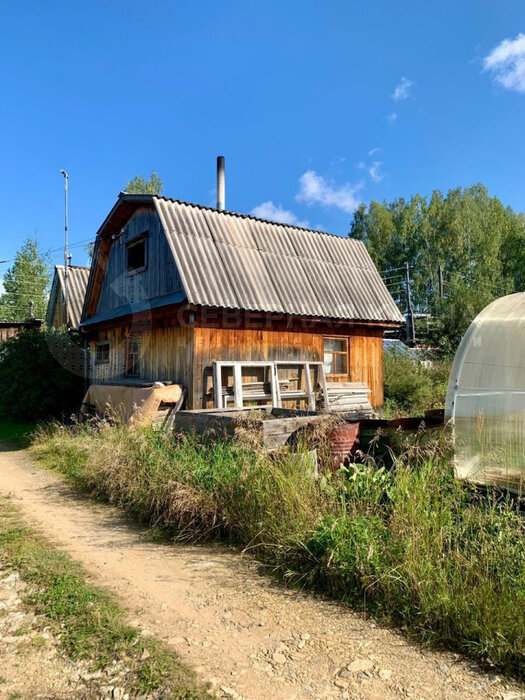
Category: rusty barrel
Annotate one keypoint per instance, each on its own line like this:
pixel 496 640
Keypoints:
pixel 342 440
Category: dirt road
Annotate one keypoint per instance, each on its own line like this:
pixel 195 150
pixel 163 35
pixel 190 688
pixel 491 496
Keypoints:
pixel 245 633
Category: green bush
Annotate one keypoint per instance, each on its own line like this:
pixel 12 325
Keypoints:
pixel 40 375
pixel 412 387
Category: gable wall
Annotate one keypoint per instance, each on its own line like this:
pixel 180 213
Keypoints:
pixel 160 277
pixel 58 319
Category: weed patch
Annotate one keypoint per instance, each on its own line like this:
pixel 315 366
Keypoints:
pixel 410 544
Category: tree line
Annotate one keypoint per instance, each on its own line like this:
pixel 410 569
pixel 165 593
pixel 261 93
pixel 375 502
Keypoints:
pixel 478 243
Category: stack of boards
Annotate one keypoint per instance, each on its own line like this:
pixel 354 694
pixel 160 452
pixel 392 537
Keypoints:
pixel 350 397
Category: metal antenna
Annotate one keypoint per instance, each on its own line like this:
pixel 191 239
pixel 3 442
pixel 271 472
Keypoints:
pixel 66 179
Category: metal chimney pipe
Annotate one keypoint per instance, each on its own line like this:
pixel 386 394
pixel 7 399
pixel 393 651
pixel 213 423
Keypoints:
pixel 221 184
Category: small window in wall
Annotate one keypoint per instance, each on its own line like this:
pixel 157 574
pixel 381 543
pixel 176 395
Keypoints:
pixel 132 368
pixel 102 353
pixel 335 355
pixel 136 249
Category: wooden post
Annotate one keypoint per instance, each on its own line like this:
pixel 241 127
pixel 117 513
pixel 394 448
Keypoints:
pixel 276 392
pixel 237 385
pixel 324 387
pixel 217 385
pixel 309 388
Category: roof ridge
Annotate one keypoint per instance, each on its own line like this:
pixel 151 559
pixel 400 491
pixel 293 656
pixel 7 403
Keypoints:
pixel 246 216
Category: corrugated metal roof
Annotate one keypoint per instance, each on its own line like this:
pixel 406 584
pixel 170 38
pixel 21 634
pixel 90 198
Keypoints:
pixel 77 279
pixel 237 261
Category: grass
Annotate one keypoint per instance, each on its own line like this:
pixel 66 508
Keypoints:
pixel 411 544
pixel 89 621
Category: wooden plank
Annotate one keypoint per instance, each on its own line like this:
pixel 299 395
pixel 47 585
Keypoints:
pixel 276 391
pixel 322 378
pixel 309 387
pixel 237 385
pixel 217 385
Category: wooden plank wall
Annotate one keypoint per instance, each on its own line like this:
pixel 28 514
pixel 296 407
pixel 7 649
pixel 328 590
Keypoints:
pixel 366 354
pixel 160 277
pixel 59 311
pixel 166 353
pixel 184 353
pixel 366 361
pixel 8 332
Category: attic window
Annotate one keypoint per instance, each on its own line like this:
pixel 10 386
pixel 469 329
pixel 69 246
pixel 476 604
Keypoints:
pixel 137 253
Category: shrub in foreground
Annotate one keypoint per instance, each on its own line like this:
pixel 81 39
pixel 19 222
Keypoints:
pixel 410 544
pixel 411 387
pixel 41 375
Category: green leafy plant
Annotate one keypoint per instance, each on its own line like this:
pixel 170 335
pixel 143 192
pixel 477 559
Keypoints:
pixel 40 375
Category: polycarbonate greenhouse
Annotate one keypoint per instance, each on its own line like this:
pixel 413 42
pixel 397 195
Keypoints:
pixel 486 396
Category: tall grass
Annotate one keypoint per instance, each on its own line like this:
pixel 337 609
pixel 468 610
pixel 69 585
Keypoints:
pixel 410 544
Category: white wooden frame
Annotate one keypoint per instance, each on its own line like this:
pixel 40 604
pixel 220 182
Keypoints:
pixel 277 396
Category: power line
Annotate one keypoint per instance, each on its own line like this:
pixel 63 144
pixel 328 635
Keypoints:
pixel 56 250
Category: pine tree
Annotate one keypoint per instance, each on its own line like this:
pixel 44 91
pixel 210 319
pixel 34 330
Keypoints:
pixel 25 282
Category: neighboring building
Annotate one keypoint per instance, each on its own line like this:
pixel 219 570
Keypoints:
pixel 394 346
pixel 174 286
pixel 75 291
pixel 10 329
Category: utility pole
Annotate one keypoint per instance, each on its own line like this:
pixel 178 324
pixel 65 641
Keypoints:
pixel 411 330
pixel 440 278
pixel 66 178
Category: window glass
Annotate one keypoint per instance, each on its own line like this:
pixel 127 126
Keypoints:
pixel 133 347
pixel 335 358
pixel 102 353
pixel 335 344
pixel 328 363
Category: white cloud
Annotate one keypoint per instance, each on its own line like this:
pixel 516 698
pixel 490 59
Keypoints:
pixel 374 150
pixel 402 91
pixel 374 170
pixel 275 212
pixel 315 189
pixel 391 117
pixel 506 62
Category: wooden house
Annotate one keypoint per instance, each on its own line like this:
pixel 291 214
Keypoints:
pixel 10 329
pixel 66 298
pixel 175 287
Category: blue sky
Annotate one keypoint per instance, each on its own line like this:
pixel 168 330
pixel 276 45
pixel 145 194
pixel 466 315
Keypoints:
pixel 316 106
